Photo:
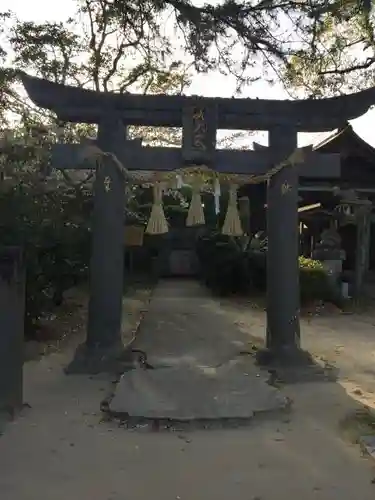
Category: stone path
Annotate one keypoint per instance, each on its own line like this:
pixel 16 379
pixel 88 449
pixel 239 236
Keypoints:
pixel 199 372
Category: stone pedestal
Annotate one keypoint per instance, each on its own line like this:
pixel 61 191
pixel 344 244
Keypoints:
pixel 12 297
pixel 332 263
pixel 333 269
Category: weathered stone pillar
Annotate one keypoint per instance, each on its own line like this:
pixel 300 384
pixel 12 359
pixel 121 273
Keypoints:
pixel 363 220
pixel 12 310
pixel 283 330
pixel 107 258
pixel 104 345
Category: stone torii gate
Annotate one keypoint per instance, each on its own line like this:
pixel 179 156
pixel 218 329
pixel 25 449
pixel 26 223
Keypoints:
pixel 200 118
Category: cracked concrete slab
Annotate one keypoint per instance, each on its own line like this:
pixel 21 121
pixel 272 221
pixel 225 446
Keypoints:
pixel 193 393
pixel 199 372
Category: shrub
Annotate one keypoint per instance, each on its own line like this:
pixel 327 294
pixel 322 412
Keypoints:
pixel 224 264
pixel 52 230
pixel 313 280
pixel 228 267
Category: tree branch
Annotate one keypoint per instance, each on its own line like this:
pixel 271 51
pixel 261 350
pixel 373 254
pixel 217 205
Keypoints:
pixel 355 67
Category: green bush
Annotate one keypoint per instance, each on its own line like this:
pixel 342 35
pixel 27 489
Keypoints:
pixel 224 265
pixel 53 231
pixel 313 280
pixel 228 266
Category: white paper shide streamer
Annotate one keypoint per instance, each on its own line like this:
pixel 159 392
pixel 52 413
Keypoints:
pixel 217 193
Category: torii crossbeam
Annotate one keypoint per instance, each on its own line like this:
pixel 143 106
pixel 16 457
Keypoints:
pixel 200 118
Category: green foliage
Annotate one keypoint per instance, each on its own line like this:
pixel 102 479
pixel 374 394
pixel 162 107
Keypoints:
pixel 51 222
pixel 230 265
pixel 52 229
pixel 310 264
pixel 341 57
pixel 224 264
pixel 313 280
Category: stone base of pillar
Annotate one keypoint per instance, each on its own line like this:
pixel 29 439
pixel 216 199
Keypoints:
pixel 284 356
pixel 292 365
pixel 113 360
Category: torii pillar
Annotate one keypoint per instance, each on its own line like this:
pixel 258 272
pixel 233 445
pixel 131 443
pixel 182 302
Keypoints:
pixel 283 330
pixel 103 349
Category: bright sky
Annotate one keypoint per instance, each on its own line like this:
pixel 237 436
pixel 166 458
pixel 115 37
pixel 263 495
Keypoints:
pixel 209 85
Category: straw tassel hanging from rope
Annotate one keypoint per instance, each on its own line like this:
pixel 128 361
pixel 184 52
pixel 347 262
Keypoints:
pixel 196 214
pixel 157 223
pixel 232 223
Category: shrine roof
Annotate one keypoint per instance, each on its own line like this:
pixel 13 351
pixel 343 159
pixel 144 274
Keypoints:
pixel 345 139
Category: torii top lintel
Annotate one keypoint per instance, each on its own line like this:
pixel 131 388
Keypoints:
pixel 73 104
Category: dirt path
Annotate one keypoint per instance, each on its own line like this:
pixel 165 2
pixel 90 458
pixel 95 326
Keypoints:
pixel 61 448
pixel 343 340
